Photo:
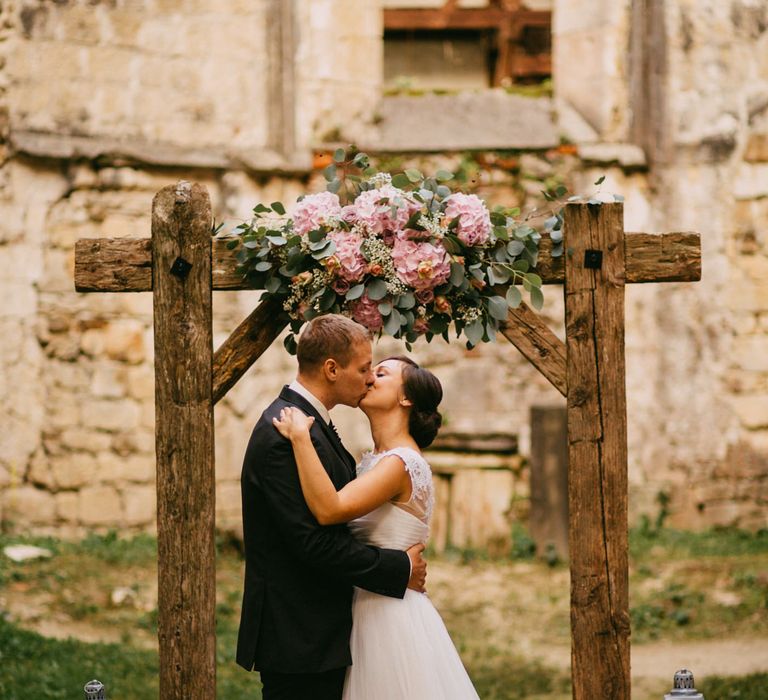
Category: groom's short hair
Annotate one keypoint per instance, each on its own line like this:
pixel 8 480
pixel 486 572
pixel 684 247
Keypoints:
pixel 330 336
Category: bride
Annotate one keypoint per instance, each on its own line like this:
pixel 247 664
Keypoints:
pixel 400 648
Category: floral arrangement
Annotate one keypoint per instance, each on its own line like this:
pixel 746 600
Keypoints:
pixel 402 255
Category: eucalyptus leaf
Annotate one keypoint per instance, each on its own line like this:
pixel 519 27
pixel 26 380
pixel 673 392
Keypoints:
pixel 277 240
pixel 392 323
pixel 290 344
pixel 474 331
pixel 273 284
pixel 443 176
pixel 401 180
pixel 406 301
pixel 537 298
pixel 413 175
pixel 329 173
pixel 501 233
pixel 443 191
pixel 339 155
pixel 315 236
pixel 497 308
pixel 355 293
pixel 261 209
pixel 231 245
pixel 514 248
pixel 262 266
pixel 457 274
pixel 514 297
pixel 278 208
pixel 377 289
pixel 327 299
pixel 333 186
pixel 385 308
pixel 533 279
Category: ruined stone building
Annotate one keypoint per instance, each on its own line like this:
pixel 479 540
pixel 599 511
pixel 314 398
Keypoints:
pixel 103 102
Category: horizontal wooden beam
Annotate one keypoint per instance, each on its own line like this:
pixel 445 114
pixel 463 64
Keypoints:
pixel 125 264
pixel 462 18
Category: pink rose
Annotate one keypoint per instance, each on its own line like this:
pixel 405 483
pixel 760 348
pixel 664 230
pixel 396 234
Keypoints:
pixel 420 326
pixel 341 286
pixel 352 264
pixel 314 211
pixel 366 312
pixel 474 219
pixel 421 265
pixel 424 296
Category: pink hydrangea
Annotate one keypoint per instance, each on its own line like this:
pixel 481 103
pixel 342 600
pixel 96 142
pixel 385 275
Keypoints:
pixel 376 216
pixel 421 265
pixel 474 219
pixel 314 211
pixel 352 264
pixel 366 312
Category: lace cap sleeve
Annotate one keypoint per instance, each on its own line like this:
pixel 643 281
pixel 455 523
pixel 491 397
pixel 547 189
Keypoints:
pixel 421 477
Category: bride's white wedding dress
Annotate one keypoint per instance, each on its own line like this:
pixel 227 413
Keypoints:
pixel 400 648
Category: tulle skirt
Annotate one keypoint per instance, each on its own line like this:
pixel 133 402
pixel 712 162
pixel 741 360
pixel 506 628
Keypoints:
pixel 402 651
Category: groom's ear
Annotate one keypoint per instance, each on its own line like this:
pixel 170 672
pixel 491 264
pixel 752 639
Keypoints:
pixel 331 369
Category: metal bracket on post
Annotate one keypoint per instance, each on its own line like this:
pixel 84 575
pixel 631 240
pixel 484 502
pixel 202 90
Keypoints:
pixel 593 259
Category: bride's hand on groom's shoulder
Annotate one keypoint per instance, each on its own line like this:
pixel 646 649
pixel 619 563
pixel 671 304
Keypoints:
pixel 292 423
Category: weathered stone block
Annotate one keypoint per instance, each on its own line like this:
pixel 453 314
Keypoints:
pixel 109 382
pixel 27 504
pixel 99 505
pixel 140 505
pixel 751 353
pixel 124 341
pixel 84 440
pixel 752 410
pixel 74 470
pixel 141 382
pixel 122 414
pixel 757 149
pixel 40 472
pixel 67 506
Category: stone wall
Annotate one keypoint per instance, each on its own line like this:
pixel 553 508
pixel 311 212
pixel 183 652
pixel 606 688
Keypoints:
pixel 102 104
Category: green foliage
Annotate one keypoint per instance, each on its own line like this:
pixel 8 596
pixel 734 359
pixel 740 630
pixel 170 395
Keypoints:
pixel 751 687
pixel 716 542
pixel 523 546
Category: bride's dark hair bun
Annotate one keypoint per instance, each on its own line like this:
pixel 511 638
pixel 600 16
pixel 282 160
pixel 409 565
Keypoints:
pixel 423 390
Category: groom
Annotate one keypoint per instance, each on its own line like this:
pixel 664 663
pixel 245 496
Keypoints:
pixel 297 603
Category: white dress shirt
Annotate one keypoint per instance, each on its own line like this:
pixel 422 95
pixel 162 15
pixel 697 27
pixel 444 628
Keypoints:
pixel 317 404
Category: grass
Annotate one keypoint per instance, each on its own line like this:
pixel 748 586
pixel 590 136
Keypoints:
pixel 682 586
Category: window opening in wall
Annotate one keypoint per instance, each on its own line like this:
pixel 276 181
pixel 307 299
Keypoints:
pixel 456 47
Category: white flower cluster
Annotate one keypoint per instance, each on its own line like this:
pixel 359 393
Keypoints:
pixel 380 179
pixel 433 226
pixel 467 313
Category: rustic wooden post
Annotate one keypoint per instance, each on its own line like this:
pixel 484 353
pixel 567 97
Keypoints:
pixel 549 479
pixel 597 451
pixel 181 280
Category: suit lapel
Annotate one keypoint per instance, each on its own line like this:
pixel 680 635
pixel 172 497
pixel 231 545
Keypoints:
pixel 298 400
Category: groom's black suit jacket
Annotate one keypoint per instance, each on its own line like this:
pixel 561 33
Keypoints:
pixel 297 600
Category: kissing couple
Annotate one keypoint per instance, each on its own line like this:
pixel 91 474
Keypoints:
pixel 334 604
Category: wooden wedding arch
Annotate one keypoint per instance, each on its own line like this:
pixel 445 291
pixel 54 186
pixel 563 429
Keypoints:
pixel 182 265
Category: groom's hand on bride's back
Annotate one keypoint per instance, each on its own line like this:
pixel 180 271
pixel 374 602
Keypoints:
pixel 418 568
